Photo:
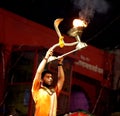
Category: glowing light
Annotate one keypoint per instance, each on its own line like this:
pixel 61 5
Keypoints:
pixel 79 23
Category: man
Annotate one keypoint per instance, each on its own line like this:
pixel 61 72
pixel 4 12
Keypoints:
pixel 44 96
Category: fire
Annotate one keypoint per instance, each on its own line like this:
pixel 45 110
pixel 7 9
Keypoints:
pixel 79 23
pixel 78 26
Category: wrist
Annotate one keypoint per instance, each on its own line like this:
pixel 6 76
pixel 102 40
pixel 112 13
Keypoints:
pixel 45 58
pixel 60 64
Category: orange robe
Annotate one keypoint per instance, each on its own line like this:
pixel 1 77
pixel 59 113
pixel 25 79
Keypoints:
pixel 45 101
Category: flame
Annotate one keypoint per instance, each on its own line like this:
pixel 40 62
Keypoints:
pixel 79 23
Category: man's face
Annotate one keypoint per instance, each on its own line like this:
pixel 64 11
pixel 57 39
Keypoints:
pixel 48 79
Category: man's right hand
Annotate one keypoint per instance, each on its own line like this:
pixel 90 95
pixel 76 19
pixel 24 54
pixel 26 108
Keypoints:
pixel 49 53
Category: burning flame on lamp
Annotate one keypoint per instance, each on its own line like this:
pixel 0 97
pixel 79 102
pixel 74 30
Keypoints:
pixel 78 26
pixel 79 23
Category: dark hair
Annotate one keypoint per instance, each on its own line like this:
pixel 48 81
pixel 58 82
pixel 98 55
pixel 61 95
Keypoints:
pixel 44 72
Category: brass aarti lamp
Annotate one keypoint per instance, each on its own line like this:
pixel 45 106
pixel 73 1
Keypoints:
pixel 76 31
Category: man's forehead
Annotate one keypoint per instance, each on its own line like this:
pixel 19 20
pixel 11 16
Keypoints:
pixel 48 74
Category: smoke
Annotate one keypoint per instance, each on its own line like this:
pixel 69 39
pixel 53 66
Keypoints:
pixel 89 7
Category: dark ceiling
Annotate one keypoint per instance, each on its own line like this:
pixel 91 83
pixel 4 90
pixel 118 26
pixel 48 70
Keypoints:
pixel 104 17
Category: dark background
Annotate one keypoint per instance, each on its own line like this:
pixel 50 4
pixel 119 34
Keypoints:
pixel 104 17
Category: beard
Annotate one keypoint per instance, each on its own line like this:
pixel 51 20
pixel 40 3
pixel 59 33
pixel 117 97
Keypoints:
pixel 47 85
